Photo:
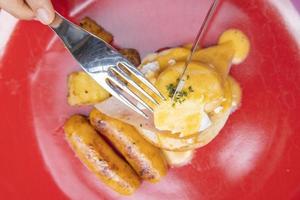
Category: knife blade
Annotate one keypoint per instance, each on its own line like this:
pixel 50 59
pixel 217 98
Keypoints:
pixel 198 38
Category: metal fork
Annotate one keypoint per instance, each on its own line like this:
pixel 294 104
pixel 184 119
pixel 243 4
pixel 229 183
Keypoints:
pixel 104 64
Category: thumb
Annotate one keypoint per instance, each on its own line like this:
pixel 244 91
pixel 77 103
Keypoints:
pixel 43 10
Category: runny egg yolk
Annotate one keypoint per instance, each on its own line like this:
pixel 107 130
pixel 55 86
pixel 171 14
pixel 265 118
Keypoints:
pixel 184 113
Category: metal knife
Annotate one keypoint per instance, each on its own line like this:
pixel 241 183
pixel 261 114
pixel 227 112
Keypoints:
pixel 199 36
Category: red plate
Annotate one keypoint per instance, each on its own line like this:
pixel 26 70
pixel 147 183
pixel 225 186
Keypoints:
pixel 256 156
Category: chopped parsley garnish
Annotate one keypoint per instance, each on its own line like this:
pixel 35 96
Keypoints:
pixel 181 96
pixel 171 89
pixel 191 89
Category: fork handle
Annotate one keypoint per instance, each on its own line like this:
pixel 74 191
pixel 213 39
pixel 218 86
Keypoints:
pixel 71 34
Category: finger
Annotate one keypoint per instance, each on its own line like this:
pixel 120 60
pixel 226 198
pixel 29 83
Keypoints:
pixel 43 10
pixel 17 8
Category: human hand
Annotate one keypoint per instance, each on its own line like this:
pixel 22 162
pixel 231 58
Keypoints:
pixel 41 10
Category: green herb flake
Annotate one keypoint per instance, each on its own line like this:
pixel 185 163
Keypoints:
pixel 191 89
pixel 171 89
pixel 181 96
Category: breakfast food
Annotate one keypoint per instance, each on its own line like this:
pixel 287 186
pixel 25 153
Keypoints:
pixel 91 26
pixel 96 29
pixel 203 87
pixel 83 90
pixel 178 159
pixel 209 82
pixel 166 141
pixel 240 43
pixel 178 126
pixel 132 55
pixel 99 157
pixel 146 159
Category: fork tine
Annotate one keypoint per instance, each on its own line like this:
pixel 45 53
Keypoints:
pixel 124 87
pixel 127 78
pixel 118 94
pixel 142 78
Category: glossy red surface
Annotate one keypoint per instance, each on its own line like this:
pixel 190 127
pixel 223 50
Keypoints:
pixel 256 156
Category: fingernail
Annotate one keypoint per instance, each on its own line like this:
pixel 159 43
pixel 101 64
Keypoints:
pixel 43 16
